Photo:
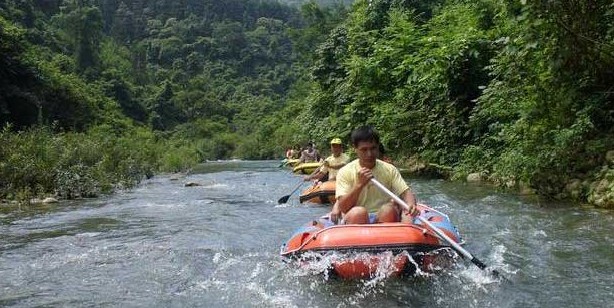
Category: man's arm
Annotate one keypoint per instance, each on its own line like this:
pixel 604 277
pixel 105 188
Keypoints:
pixel 318 175
pixel 347 201
pixel 409 198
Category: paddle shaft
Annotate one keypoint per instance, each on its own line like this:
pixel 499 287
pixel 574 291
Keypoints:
pixel 297 187
pixel 438 231
pixel 285 198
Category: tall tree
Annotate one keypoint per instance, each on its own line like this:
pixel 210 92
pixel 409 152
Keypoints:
pixel 82 25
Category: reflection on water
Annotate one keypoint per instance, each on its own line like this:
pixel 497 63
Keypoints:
pixel 216 244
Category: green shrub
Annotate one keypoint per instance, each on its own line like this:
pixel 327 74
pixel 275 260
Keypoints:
pixel 39 162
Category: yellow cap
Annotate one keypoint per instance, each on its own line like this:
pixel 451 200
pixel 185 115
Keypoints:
pixel 336 141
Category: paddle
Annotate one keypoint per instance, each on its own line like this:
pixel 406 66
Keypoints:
pixel 285 198
pixel 440 233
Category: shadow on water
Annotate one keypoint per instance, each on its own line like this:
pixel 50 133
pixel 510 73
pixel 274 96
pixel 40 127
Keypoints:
pixel 217 244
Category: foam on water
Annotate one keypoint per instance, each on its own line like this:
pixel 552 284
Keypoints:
pixel 163 244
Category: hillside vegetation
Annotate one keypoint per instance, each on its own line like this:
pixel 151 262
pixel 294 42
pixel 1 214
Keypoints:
pixel 516 92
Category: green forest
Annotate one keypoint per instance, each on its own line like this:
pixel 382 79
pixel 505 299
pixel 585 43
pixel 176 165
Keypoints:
pixel 96 95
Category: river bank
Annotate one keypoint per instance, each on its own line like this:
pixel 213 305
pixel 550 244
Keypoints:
pixel 42 164
pixel 595 188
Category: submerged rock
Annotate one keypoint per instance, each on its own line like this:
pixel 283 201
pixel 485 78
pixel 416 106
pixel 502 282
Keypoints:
pixel 47 200
pixel 475 177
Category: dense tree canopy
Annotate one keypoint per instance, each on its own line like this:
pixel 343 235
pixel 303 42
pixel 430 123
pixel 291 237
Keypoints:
pixel 519 92
pixel 515 90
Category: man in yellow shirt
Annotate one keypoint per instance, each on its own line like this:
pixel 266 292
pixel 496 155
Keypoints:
pixel 357 196
pixel 331 164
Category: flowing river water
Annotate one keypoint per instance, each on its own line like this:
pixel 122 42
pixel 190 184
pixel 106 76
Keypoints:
pixel 217 245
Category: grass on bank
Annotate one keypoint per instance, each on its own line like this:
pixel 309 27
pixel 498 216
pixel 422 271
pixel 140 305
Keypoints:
pixel 39 162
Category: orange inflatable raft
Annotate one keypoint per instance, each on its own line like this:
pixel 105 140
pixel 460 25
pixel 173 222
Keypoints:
pixel 360 249
pixel 321 192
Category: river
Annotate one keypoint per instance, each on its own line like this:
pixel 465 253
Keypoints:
pixel 217 245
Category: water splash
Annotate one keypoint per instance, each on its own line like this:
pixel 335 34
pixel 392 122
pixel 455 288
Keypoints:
pixel 382 265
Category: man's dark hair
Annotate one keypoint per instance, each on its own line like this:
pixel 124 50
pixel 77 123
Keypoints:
pixel 365 133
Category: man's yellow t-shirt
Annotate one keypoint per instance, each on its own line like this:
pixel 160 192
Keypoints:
pixel 334 161
pixel 371 197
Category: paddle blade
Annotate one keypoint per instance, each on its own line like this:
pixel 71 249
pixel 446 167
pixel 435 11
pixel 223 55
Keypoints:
pixel 283 199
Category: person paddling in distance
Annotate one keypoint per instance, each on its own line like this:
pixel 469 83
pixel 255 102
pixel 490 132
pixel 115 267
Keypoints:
pixel 357 197
pixel 309 154
pixel 331 164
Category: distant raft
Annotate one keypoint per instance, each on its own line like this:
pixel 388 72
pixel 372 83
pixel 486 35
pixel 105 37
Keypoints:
pixel 306 168
pixel 413 245
pixel 289 162
pixel 320 193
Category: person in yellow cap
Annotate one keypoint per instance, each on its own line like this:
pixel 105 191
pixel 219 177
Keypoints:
pixel 331 164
